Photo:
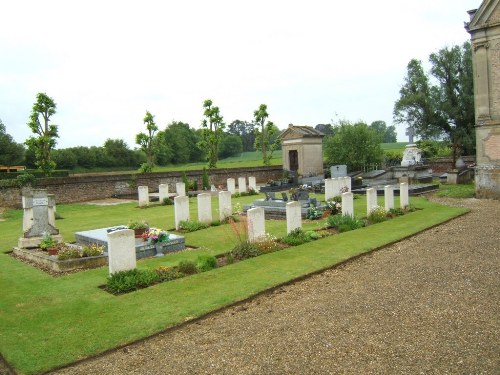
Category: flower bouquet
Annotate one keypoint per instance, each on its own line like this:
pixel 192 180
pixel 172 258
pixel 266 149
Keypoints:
pixel 155 235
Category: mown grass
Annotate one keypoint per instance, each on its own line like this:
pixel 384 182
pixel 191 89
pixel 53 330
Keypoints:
pixel 456 191
pixel 47 322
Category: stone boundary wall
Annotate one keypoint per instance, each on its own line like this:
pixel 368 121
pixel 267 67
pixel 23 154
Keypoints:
pixel 82 188
pixel 442 165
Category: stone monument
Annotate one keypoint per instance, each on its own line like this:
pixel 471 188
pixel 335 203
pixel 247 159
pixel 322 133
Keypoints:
pixel 38 218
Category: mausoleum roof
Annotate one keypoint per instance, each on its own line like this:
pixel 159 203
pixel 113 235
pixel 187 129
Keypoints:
pixel 301 131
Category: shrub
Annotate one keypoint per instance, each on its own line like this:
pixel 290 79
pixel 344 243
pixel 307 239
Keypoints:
pixel 313 213
pixel 229 258
pixel 187 267
pixel 206 263
pixel 167 201
pixel 377 215
pixel 26 179
pixel 396 212
pixel 67 252
pixel 192 225
pixel 126 281
pixel 204 180
pixel 245 250
pixel 344 223
pixel 167 273
pixel 313 235
pixel 296 237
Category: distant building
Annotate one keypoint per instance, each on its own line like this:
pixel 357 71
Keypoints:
pixel 484 28
pixel 302 150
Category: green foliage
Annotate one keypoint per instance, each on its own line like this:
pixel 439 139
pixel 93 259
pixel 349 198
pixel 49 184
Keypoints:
pixel 313 213
pixel 211 132
pixel 344 223
pixel 67 252
pixel 377 215
pixel 268 244
pixel 167 273
pixel 230 145
pixel 387 134
pixel 127 281
pixel 145 168
pixel 456 191
pixel 26 179
pixel 206 263
pixel 296 237
pixel 47 241
pixel 11 153
pixel 92 250
pixel 44 140
pixel 185 181
pixel 244 250
pixel 393 157
pixel 146 140
pixel 353 145
pixel 138 224
pixel 431 148
pixel 187 267
pixel 445 109
pixel 167 201
pixel 178 144
pixel 205 180
pixel 192 225
pixel 244 130
pixel 265 134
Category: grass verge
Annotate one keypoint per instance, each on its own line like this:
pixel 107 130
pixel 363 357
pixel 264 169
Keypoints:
pixel 48 322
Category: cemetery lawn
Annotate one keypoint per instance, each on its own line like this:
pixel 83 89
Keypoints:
pixel 47 322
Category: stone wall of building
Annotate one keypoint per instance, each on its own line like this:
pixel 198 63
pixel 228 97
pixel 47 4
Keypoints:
pixel 101 186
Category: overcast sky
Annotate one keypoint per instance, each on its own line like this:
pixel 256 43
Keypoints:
pixel 106 62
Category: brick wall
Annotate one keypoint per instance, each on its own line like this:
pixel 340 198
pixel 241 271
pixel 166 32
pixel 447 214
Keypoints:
pixel 101 186
pixel 442 165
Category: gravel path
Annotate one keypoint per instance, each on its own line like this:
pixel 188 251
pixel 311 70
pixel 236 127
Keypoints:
pixel 426 305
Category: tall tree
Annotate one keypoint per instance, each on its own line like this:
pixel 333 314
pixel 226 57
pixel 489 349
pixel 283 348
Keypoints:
pixel 446 109
pixel 264 134
pixel 44 140
pixel 211 132
pixel 11 153
pixel 244 130
pixel 387 133
pixel 181 142
pixel 146 141
pixel 355 145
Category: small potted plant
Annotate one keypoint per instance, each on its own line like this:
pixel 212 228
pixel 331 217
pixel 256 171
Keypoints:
pixel 48 244
pixel 139 228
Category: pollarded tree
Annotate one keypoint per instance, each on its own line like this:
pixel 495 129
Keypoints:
pixel 211 132
pixel 264 134
pixel 11 153
pixel 355 145
pixel 146 141
pixel 44 140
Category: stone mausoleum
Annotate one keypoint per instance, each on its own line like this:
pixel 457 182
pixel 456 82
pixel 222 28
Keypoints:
pixel 484 28
pixel 302 150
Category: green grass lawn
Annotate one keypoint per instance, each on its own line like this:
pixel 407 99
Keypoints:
pixel 46 322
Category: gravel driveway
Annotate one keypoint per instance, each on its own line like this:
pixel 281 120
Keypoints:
pixel 426 305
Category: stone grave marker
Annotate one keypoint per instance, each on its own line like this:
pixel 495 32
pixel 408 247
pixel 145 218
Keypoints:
pixel 388 197
pixel 252 183
pixel 204 207
pixel 180 189
pixel 121 251
pixel 181 209
pixel 225 208
pixel 143 192
pixel 293 216
pixel 371 200
pixel 231 185
pixel 404 199
pixel 338 171
pixel 348 204
pixel 38 219
pixel 256 224
pixel 242 185
pixel 162 192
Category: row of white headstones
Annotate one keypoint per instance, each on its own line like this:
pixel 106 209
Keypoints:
pixel 121 244
pixel 180 189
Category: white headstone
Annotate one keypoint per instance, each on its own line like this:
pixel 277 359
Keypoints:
pixel 231 185
pixel 180 189
pixel 121 251
pixel 143 192
pixel 256 224
pixel 204 208
pixel 252 183
pixel 348 204
pixel 162 192
pixel 181 209
pixel 347 183
pixel 225 208
pixel 293 216
pixel 338 183
pixel 242 185
pixel 388 197
pixel 338 171
pixel 404 199
pixel 371 200
pixel 329 185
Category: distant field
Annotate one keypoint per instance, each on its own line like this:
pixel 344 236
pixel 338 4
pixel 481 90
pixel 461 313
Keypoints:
pixel 396 146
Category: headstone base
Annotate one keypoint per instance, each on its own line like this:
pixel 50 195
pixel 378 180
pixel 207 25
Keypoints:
pixel 31 242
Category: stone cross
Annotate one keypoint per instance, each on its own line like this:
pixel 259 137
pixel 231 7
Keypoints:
pixel 410 132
